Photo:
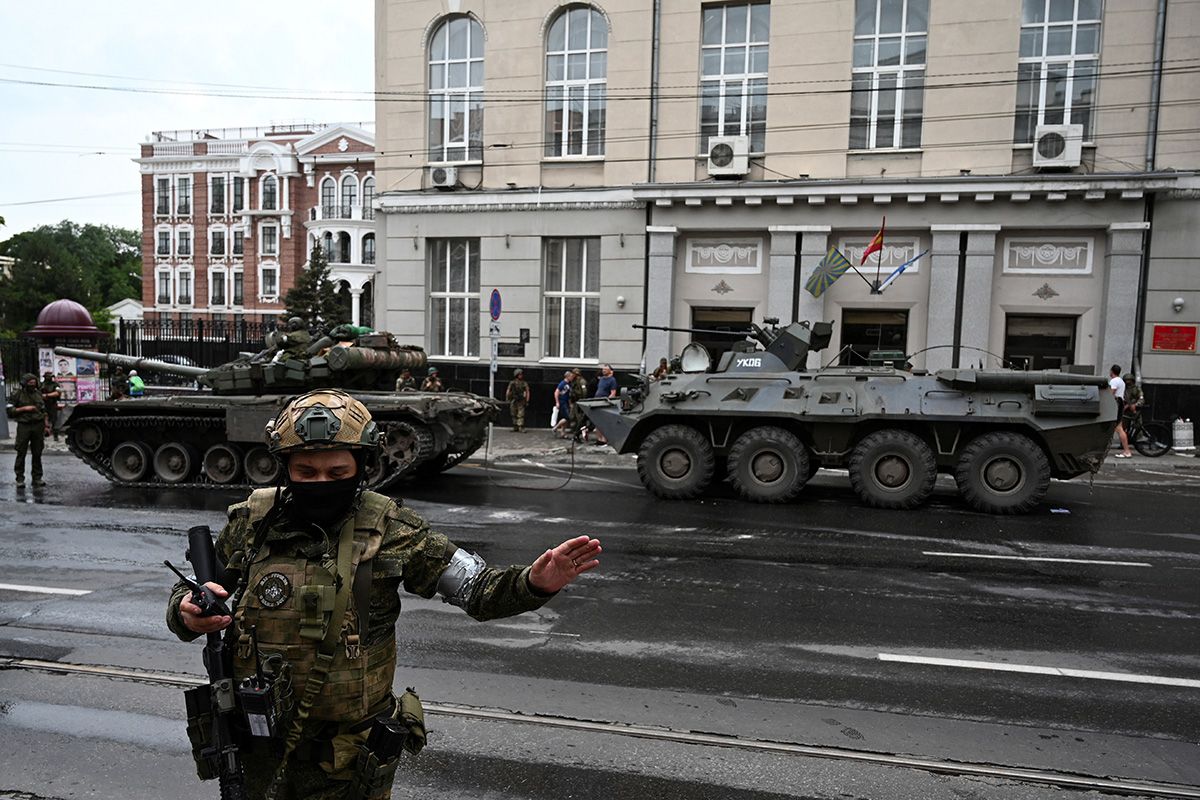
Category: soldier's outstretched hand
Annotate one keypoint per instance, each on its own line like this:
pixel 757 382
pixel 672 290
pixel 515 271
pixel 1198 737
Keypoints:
pixel 189 612
pixel 555 568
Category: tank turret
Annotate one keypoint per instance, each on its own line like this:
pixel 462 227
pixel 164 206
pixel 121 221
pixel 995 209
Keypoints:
pixel 214 438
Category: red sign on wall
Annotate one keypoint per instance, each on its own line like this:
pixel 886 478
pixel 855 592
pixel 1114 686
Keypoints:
pixel 1174 338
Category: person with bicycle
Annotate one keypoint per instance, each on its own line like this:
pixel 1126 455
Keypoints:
pixel 1116 384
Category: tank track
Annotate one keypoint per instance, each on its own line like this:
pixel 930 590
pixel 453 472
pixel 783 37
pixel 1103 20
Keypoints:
pixel 103 465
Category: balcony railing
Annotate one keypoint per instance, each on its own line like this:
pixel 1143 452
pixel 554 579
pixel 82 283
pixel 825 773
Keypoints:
pixel 327 211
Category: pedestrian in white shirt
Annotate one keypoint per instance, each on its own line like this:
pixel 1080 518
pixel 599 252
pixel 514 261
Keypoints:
pixel 1117 385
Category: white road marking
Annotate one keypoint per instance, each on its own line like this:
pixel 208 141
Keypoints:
pixel 996 666
pixel 16 587
pixel 1038 558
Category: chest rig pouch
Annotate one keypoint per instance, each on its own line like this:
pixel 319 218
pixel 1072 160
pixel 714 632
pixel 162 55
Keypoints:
pixel 310 613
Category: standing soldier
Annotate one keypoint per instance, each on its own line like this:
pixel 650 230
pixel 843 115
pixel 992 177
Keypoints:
pixel 432 382
pixel 29 412
pixel 405 381
pixel 315 571
pixel 51 396
pixel 578 392
pixel 120 384
pixel 517 396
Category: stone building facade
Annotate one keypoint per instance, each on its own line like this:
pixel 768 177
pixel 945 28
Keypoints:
pixel 607 164
pixel 230 216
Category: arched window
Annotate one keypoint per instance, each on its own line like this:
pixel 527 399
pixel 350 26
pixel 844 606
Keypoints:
pixel 328 197
pixel 327 245
pixel 368 249
pixel 576 82
pixel 343 249
pixel 456 90
pixel 270 193
pixel 368 198
pixel 349 195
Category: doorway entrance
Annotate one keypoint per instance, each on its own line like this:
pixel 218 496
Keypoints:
pixel 715 318
pixel 871 329
pixel 1033 341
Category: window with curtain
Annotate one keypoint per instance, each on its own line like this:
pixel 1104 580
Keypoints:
pixel 216 288
pixel 733 83
pixel 183 244
pixel 454 297
pixel 164 289
pixel 270 194
pixel 184 287
pixel 368 248
pixel 216 244
pixel 456 91
pixel 888 80
pixel 572 298
pixel 270 240
pixel 1057 71
pixel 576 79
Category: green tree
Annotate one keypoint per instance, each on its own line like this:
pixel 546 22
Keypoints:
pixel 94 265
pixel 314 297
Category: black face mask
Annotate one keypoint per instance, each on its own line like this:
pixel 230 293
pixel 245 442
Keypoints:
pixel 321 502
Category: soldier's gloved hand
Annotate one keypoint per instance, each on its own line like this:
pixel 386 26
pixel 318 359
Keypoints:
pixel 189 612
pixel 555 568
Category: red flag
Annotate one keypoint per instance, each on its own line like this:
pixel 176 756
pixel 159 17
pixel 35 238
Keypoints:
pixel 876 244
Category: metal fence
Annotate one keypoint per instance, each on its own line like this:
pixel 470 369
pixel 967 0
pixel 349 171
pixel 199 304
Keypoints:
pixel 204 342
pixel 18 356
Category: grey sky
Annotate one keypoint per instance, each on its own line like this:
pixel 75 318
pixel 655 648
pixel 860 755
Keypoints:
pixel 50 135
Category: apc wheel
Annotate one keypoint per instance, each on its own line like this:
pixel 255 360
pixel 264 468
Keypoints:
pixel 261 467
pixel 893 469
pixel 174 462
pixel 222 463
pixel 768 465
pixel 1153 439
pixel 1003 473
pixel 675 462
pixel 130 461
pixel 88 437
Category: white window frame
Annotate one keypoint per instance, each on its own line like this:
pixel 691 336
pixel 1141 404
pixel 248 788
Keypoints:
pixel 351 180
pixel 468 93
pixel 218 276
pixel 753 81
pixel 191 237
pixel 563 294
pixel 182 271
pixel 238 180
pixel 161 274
pixel 262 197
pixel 233 234
pixel 906 74
pixel 363 248
pixel 262 240
pixel 237 275
pixel 588 93
pixel 224 194
pixel 159 232
pixel 468 297
pixel 212 235
pixel 1043 63
pixel 368 199
pixel 328 203
pixel 159 195
pixel 179 196
pixel 264 266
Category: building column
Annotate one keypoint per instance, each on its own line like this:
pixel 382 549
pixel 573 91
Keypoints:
pixel 977 294
pixel 781 273
pixel 1123 263
pixel 660 283
pixel 943 293
pixel 814 244
pixel 943 289
pixel 355 305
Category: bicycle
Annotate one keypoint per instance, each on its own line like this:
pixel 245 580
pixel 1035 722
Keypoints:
pixel 1151 439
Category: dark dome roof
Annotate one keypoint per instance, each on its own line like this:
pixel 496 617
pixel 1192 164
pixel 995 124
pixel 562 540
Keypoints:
pixel 65 318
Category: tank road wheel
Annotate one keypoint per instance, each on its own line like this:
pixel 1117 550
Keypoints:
pixel 675 462
pixel 261 467
pixel 174 462
pixel 403 446
pixel 88 437
pixel 130 461
pixel 768 465
pixel 1003 473
pixel 893 469
pixel 222 463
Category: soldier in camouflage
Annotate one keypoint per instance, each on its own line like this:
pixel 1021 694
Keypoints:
pixel 517 395
pixel 318 544
pixel 29 412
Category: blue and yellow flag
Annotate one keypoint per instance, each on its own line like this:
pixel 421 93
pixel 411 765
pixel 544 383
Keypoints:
pixel 832 267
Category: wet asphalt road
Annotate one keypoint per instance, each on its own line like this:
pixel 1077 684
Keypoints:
pixel 819 623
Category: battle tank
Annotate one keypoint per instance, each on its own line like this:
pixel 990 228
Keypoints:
pixel 214 439
pixel 759 419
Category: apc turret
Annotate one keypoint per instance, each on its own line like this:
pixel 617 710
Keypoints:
pixel 214 438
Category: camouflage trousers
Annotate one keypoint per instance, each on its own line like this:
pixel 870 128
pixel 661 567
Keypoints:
pixel 518 415
pixel 577 420
pixel 304 780
pixel 31 436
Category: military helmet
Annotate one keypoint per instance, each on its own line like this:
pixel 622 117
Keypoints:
pixel 326 419
pixel 27 377
pixel 433 371
pixel 295 324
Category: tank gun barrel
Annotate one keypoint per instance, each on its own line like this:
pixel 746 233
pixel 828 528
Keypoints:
pixel 133 362
pixel 709 331
pixel 1014 380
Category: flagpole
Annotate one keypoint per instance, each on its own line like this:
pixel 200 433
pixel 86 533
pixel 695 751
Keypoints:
pixel 878 268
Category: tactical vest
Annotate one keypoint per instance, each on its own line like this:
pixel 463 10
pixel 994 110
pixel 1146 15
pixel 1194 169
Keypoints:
pixel 289 600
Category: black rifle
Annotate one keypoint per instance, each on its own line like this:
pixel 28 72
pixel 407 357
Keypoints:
pixel 218 697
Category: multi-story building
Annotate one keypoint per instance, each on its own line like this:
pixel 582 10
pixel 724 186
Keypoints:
pixel 689 163
pixel 230 216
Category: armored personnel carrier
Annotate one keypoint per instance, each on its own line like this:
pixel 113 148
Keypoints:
pixel 215 438
pixel 762 422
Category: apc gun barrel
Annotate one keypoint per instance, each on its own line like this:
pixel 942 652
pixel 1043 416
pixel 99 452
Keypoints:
pixel 1015 380
pixel 133 362
pixel 695 330
pixel 342 358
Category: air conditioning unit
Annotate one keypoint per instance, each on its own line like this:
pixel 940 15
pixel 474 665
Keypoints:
pixel 444 177
pixel 728 156
pixel 1057 146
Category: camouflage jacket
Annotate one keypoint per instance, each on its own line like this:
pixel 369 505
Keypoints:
pixel 28 397
pixel 517 392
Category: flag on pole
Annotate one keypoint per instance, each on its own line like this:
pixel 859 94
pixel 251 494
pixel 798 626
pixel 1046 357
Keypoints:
pixel 876 244
pixel 896 272
pixel 832 267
